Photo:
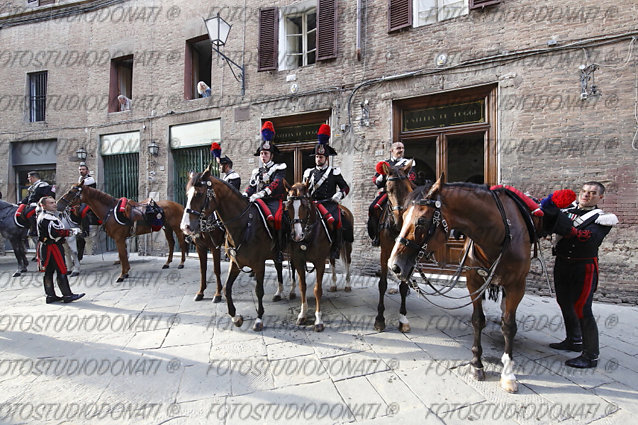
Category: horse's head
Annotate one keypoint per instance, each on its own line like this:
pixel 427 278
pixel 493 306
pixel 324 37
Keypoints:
pixel 72 197
pixel 398 187
pixel 424 230
pixel 300 211
pixel 200 202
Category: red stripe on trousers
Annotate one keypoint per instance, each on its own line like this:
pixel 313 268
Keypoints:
pixel 57 257
pixel 589 280
pixel 278 215
pixel 381 201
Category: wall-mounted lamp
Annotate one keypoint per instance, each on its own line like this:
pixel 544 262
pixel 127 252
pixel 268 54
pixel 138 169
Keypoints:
pixel 588 87
pixel 218 30
pixel 81 153
pixel 153 148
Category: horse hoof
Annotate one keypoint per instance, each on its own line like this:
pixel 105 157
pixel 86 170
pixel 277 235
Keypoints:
pixel 217 299
pixel 333 288
pixel 74 274
pixel 347 289
pixel 276 298
pixel 393 291
pixel 23 270
pixel 319 327
pixel 258 326
pixel 120 279
pixel 301 321
pixel 199 297
pixel 404 327
pixel 116 262
pixel 293 295
pixel 125 275
pixel 165 266
pixel 181 266
pixel 509 385
pixel 479 374
pixel 16 274
pixel 379 325
pixel 239 322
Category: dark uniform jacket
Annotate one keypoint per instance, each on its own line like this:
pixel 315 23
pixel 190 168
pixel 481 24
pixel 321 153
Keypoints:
pixel 50 229
pixel 233 179
pixel 37 191
pixel 584 246
pixel 268 181
pixel 324 182
pixel 379 179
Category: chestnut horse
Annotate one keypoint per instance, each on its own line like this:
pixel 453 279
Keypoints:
pixel 102 204
pixel 310 243
pixel 208 234
pixel 499 247
pixel 398 187
pixel 248 242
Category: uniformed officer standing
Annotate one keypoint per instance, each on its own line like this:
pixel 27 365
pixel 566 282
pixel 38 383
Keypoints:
pixel 327 187
pixel 51 234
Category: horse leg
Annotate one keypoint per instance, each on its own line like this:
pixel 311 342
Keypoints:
pixel 123 254
pixel 217 270
pixel 202 252
pixel 319 269
pixel 333 287
pixel 280 282
pixel 233 272
pixel 301 274
pixel 171 245
pixel 71 253
pixel 404 324
pixel 379 321
pixel 508 328
pixel 259 292
pixel 181 240
pixel 292 295
pixel 478 323
pixel 346 258
pixel 20 254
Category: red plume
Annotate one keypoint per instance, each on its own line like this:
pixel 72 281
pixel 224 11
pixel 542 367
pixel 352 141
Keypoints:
pixel 379 167
pixel 563 198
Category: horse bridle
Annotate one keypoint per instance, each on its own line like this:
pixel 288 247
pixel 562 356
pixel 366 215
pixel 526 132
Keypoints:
pixel 437 220
pixel 210 222
pixel 394 178
pixel 306 226
pixel 76 195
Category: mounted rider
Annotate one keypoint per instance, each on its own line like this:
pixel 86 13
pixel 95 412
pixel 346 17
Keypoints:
pixel 266 186
pixel 226 166
pixel 376 207
pixel 327 188
pixel 36 191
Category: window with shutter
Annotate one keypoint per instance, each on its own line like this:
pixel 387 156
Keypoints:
pixel 477 4
pixel 432 11
pixel 399 14
pixel 326 29
pixel 268 39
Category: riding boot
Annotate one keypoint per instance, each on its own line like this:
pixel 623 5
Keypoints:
pixel 81 243
pixel 336 244
pixel 68 296
pixel 279 246
pixel 49 290
pixel 589 356
pixel 373 227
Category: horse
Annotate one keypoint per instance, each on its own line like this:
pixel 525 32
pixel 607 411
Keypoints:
pixel 103 205
pixel 249 242
pixel 310 242
pixel 209 234
pixel 397 187
pixel 15 234
pixel 500 236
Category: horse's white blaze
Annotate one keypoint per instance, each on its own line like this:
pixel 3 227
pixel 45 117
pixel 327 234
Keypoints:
pixel 298 229
pixel 318 320
pixel 403 233
pixel 304 310
pixel 508 368
pixel 186 216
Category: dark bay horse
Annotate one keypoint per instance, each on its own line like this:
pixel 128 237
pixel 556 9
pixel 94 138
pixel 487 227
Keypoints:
pixel 499 245
pixel 207 234
pixel 248 243
pixel 16 235
pixel 102 204
pixel 310 243
pixel 398 187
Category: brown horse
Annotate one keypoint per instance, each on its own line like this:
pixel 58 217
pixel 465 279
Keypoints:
pixel 398 187
pixel 210 234
pixel 500 250
pixel 102 204
pixel 248 242
pixel 310 242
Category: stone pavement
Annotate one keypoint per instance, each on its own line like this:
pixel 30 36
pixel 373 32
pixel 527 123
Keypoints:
pixel 144 352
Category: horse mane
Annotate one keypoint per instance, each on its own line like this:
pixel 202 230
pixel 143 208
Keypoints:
pixel 100 196
pixel 5 204
pixel 471 186
pixel 197 176
pixel 300 188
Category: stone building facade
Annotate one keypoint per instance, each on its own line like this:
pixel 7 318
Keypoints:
pixel 537 95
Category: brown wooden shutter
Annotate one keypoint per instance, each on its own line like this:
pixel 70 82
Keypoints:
pixel 399 14
pixel 326 29
pixel 268 39
pixel 477 4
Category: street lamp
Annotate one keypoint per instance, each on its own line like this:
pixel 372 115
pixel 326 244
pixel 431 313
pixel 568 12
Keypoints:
pixel 218 30
pixel 153 148
pixel 81 153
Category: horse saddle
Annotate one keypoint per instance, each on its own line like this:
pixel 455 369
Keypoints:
pixel 24 215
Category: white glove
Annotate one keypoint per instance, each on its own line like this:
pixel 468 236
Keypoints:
pixel 33 204
pixel 76 231
pixel 380 179
pixel 338 196
pixel 256 196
